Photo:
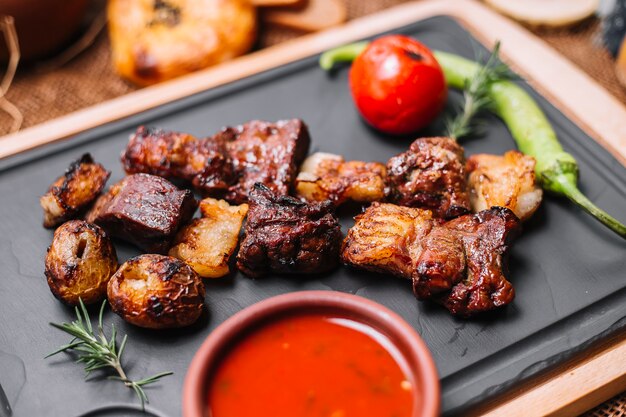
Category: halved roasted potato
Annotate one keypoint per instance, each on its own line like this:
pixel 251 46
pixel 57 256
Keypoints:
pixel 73 191
pixel 207 244
pixel 80 262
pixel 157 292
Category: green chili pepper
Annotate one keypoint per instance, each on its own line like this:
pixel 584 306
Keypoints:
pixel 556 169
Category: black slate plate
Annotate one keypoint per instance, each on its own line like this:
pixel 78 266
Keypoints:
pixel 568 271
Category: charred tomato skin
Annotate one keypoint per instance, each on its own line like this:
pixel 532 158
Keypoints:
pixel 397 85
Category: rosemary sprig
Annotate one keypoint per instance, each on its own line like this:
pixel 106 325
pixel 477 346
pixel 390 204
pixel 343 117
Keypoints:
pixel 476 95
pixel 98 352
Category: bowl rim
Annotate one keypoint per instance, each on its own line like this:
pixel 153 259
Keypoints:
pixel 383 319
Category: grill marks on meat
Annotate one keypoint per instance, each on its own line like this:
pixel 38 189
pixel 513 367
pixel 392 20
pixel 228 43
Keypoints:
pixel 227 164
pixel 145 210
pixel 477 272
pixel 504 180
pixel 266 153
pixel 458 264
pixel 286 235
pixel 325 176
pixel 385 238
pixel 204 163
pixel 430 175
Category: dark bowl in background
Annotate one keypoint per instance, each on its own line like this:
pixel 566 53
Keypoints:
pixel 43 26
pixel 422 370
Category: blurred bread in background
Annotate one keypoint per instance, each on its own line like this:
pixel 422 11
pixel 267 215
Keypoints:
pixel 156 40
pixel 307 16
pixel 546 13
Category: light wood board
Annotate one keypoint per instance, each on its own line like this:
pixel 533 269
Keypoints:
pixel 574 387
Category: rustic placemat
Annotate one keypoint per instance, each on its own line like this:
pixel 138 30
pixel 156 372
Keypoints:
pixel 89 79
pixel 615 407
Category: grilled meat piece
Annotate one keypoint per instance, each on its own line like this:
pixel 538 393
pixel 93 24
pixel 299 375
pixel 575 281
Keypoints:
pixel 472 262
pixel 286 235
pixel 227 164
pixel 386 238
pixel 206 244
pixel 266 153
pixel 325 176
pixel 145 210
pixel 102 201
pixel 506 181
pixel 430 175
pixel 458 264
pixel 73 192
pixel 204 163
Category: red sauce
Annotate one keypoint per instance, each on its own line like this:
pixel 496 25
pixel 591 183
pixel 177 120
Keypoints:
pixel 312 365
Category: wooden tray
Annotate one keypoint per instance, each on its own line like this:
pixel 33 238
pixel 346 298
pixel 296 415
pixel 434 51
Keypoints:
pixel 567 381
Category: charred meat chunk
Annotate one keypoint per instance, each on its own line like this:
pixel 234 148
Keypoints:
pixel 202 162
pixel 385 238
pixel 325 176
pixel 458 264
pixel 229 163
pixel 504 180
pixel 145 210
pixel 430 175
pixel 73 192
pixel 266 153
pixel 469 259
pixel 286 235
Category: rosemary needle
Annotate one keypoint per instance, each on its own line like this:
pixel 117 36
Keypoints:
pixel 476 95
pixel 95 351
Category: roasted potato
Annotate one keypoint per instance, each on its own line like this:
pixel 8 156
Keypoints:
pixel 207 244
pixel 156 292
pixel 80 262
pixel 155 40
pixel 73 191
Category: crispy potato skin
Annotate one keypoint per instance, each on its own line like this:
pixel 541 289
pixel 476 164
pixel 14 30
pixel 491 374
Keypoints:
pixel 80 262
pixel 156 292
pixel 72 192
pixel 153 41
pixel 207 244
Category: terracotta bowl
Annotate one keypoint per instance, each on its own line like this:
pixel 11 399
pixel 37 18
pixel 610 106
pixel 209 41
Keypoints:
pixel 408 342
